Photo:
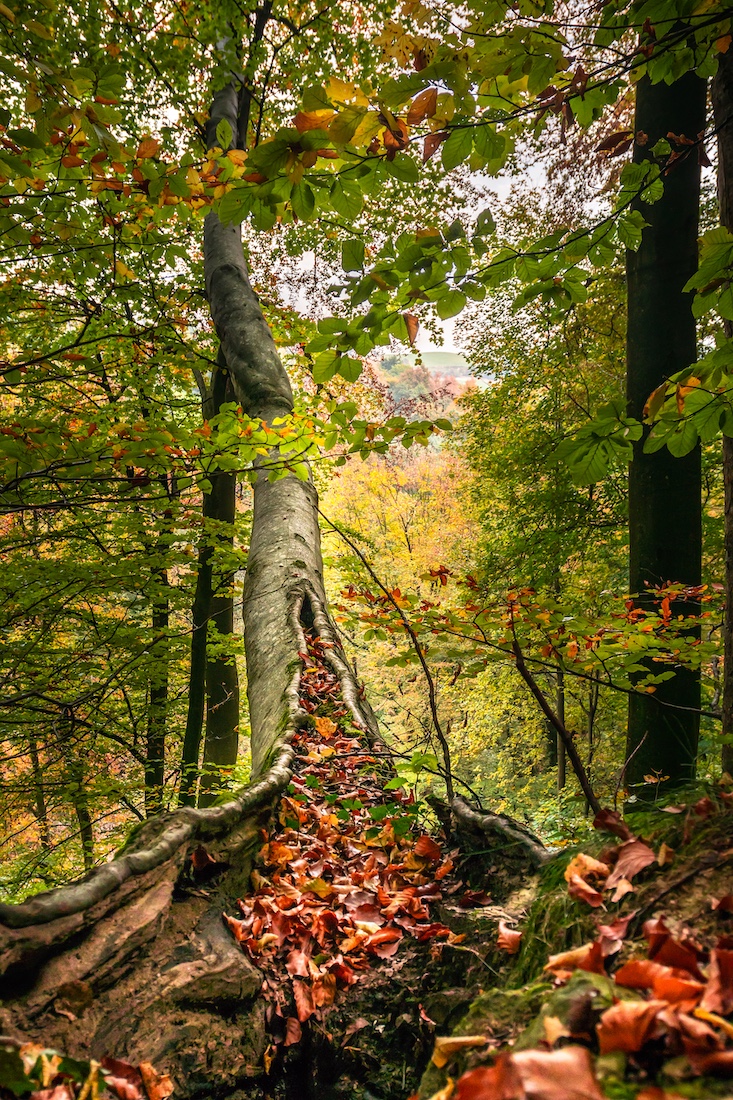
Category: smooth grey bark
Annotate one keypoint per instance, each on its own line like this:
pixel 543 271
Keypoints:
pixel 722 97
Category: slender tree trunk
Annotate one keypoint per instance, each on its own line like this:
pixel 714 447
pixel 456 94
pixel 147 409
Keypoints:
pixel 222 681
pixel 41 809
pixel 665 525
pixel 218 507
pixel 722 97
pixel 561 754
pixel 77 790
pixel 158 703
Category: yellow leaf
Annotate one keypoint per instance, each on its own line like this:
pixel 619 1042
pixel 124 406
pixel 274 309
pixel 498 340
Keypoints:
pixel 7 13
pixel 448 1045
pixel 124 271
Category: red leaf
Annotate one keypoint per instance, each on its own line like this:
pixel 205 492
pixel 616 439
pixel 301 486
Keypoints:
pixel 718 996
pixel 426 846
pixel 509 939
pixel 293 1031
pixel 634 855
pixel 303 1000
pixel 610 821
pixel 627 1025
pixel 565 1074
pixel 297 964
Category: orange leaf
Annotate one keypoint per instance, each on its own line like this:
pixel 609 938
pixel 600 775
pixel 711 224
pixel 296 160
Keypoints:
pixel 412 326
pixel 627 1025
pixel 588 957
pixel 426 846
pixel 508 939
pixel 148 147
pixel 423 106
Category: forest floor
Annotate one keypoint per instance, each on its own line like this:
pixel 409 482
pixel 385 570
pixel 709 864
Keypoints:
pixel 393 963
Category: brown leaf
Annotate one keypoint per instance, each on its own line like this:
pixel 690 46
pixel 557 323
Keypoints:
pixel 122 1079
pixel 303 1000
pixel 610 821
pixel 432 143
pixel 634 855
pixel 412 329
pixel 565 1074
pixel 588 957
pixel 509 939
pixel 579 889
pixel 639 973
pixel 423 106
pixel 718 996
pixel 627 1025
pixel 722 905
pixel 148 147
pixel 621 137
pixel 293 1031
pixel 585 866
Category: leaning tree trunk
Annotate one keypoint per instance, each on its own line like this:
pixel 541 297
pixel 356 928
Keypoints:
pixel 665 514
pixel 722 96
pixel 179 1001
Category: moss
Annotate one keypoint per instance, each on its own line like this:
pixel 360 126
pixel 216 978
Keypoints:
pixel 554 923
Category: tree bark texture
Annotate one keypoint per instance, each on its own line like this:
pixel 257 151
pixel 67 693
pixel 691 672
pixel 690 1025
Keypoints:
pixel 665 524
pixel 722 97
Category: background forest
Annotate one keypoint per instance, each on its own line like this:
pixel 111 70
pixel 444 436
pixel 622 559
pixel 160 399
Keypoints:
pixel 474 508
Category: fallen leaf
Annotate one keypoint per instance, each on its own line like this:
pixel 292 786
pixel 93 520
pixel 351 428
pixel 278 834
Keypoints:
pixel 718 996
pixel 293 1032
pixel 634 855
pixel 449 1045
pixel 554 1029
pixel 610 821
pixel 157 1085
pixel 579 889
pixel 509 939
pixel 665 855
pixel 426 846
pixel 626 1026
pixel 586 866
pixel 303 995
pixel 588 957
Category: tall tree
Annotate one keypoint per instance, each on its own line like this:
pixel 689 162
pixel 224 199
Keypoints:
pixel 665 533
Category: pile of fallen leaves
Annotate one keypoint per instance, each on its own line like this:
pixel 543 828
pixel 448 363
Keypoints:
pixel 664 1014
pixel 346 874
pixel 36 1073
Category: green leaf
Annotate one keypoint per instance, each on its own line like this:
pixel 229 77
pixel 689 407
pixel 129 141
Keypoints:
pixel 457 147
pixel 303 201
pixel 352 254
pixel 403 168
pixel 450 304
pixel 224 134
pixel 346 199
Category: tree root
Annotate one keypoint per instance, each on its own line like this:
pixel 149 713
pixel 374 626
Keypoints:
pixel 501 827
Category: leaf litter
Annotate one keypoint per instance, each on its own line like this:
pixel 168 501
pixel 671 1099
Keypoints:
pixel 345 876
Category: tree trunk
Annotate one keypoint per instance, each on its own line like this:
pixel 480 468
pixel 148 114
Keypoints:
pixel 561 755
pixel 722 97
pixel 158 702
pixel 665 532
pixel 206 681
pixel 222 681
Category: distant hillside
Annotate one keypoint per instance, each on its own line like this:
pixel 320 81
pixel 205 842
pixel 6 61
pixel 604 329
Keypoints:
pixel 446 362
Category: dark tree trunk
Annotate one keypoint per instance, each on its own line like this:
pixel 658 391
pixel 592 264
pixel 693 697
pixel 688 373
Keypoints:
pixel 665 533
pixel 208 607
pixel 722 96
pixel 158 702
pixel 222 681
